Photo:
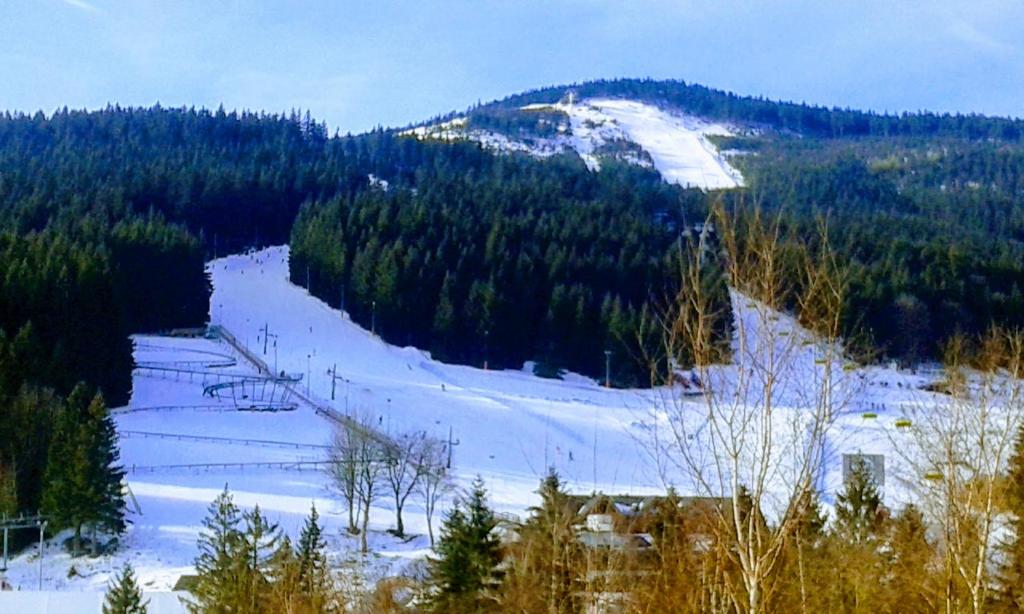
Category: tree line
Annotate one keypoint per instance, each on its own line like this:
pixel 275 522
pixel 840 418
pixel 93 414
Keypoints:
pixel 514 261
pixel 800 118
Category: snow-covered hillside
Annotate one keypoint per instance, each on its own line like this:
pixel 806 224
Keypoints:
pixel 181 446
pixel 509 427
pixel 676 144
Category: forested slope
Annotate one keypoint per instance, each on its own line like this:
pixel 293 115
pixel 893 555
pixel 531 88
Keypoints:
pixel 107 217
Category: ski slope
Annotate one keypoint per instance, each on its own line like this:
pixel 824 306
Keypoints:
pixel 507 426
pixel 677 144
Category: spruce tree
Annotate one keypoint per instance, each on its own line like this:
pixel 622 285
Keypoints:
pixel 124 595
pixel 912 584
pixel 468 553
pixel 548 553
pixel 313 568
pixel 105 475
pixel 285 594
pixel 259 543
pixel 217 566
pixel 314 573
pixel 859 509
pixel 70 498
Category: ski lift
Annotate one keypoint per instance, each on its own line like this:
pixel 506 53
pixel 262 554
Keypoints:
pixel 902 423
pixel 869 415
pixel 933 476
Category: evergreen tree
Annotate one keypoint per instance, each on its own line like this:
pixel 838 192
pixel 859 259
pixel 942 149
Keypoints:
pixel 547 558
pixel 285 593
pixel 912 585
pixel 859 509
pixel 124 595
pixel 258 546
pixel 105 475
pixel 70 495
pixel 218 567
pixel 464 574
pixel 314 574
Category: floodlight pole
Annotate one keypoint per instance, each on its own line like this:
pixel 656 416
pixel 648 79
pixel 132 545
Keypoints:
pixel 607 368
pixel 42 531
pixel 266 333
pixel 333 372
pixel 451 442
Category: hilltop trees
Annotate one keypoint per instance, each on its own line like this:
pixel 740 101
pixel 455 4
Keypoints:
pixel 513 262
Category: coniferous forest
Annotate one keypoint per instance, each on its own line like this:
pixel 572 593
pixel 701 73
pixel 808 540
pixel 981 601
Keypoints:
pixel 107 218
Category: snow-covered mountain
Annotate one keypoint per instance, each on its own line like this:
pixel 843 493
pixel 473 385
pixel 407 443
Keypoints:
pixel 677 145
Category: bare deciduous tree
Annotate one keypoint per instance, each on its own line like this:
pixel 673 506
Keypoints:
pixel 343 469
pixel 956 446
pixel 358 460
pixel 751 432
pixel 406 466
pixel 436 482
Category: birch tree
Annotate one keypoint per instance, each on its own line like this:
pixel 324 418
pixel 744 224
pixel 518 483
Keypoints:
pixel 956 446
pixel 747 422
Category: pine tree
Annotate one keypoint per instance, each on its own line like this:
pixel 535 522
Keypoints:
pixel 314 574
pixel 8 490
pixel 105 475
pixel 444 319
pixel 548 556
pixel 285 594
pixel 217 566
pixel 859 509
pixel 259 544
pixel 468 553
pixel 124 595
pixel 70 498
pixel 912 584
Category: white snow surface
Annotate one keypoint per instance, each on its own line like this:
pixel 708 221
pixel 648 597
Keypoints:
pixel 677 144
pixel 510 426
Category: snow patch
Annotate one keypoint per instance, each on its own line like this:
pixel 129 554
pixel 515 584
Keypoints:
pixel 677 144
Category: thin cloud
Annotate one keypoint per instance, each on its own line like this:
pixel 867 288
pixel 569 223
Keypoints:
pixel 972 35
pixel 82 5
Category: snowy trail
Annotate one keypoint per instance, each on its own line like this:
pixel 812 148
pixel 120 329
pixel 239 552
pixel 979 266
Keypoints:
pixel 677 144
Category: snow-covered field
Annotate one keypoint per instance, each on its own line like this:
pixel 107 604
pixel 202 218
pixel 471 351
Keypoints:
pixel 509 427
pixel 677 144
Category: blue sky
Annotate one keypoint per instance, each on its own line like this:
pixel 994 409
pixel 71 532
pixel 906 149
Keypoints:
pixel 360 64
